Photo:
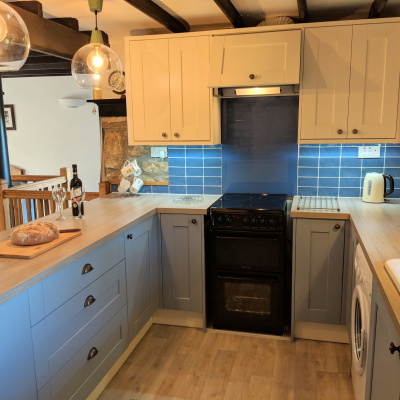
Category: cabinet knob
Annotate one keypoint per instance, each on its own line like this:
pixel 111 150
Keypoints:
pixel 194 221
pixel 129 236
pixel 164 135
pixel 251 76
pixel 339 131
pixel 176 134
pixel 337 226
pixel 393 348
pixel 89 300
pixel 86 269
pixel 355 131
pixel 92 353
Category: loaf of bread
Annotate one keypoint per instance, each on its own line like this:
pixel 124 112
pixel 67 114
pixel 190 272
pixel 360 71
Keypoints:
pixel 34 233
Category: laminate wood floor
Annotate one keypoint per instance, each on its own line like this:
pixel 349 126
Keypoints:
pixel 172 363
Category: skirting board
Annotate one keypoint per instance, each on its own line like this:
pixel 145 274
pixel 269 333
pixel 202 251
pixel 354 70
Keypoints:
pixel 115 368
pixel 323 332
pixel 178 318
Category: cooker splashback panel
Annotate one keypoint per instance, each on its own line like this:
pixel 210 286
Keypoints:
pixel 259 152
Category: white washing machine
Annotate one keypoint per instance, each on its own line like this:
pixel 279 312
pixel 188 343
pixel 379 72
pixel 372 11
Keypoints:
pixel 360 316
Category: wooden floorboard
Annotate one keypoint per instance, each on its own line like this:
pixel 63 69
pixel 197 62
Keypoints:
pixel 176 363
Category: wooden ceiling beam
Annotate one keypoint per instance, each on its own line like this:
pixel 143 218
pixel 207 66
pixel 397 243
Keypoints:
pixel 302 7
pixel 72 23
pixel 377 8
pixel 34 7
pixel 231 13
pixel 155 12
pixel 51 37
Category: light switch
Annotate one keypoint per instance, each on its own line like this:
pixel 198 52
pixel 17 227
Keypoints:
pixel 369 152
pixel 159 151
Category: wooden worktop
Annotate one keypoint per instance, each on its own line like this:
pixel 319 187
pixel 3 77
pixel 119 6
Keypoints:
pixel 377 227
pixel 106 218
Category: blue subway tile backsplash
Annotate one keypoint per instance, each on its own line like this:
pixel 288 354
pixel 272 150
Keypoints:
pixel 322 169
pixel 336 170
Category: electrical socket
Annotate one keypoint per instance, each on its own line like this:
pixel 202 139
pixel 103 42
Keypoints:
pixel 369 152
pixel 156 151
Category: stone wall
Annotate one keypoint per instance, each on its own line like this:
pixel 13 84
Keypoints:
pixel 116 151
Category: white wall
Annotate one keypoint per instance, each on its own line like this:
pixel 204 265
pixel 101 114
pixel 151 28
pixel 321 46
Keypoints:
pixel 49 135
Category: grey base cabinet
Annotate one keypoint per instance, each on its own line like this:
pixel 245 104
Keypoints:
pixel 182 258
pixel 142 260
pixel 17 369
pixel 383 368
pixel 318 270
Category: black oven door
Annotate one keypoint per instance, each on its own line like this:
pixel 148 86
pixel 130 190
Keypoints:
pixel 247 251
pixel 251 302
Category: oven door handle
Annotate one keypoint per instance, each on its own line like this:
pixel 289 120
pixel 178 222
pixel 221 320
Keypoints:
pixel 242 279
pixel 266 238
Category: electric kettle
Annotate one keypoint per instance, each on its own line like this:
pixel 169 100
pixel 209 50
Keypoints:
pixel 374 190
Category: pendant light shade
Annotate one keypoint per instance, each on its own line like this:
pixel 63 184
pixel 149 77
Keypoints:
pixel 93 64
pixel 14 39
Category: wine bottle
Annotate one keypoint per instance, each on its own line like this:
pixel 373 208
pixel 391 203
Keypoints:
pixel 75 182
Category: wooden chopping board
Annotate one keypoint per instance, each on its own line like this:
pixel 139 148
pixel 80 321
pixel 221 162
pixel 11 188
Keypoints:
pixel 9 250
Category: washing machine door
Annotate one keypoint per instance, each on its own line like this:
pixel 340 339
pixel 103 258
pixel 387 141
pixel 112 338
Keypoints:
pixel 359 329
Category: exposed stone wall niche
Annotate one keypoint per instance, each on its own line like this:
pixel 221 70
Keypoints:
pixel 116 151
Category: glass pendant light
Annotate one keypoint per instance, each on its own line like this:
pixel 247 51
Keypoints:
pixel 93 64
pixel 14 39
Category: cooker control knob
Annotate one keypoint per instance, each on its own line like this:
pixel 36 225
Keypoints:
pixel 254 221
pixel 245 221
pixel 220 220
pixel 229 220
pixel 262 221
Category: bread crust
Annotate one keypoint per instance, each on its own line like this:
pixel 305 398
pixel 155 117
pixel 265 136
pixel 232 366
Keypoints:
pixel 34 233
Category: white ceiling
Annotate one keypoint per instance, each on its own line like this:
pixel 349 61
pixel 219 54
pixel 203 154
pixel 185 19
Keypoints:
pixel 120 17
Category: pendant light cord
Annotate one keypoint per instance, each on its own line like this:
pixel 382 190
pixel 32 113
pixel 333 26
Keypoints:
pixel 95 15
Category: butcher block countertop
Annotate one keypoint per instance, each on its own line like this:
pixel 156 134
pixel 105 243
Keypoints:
pixel 106 218
pixel 377 227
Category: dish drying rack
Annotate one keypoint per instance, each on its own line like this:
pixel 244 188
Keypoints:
pixel 318 203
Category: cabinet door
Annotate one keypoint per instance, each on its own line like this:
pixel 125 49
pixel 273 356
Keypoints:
pixel 182 261
pixel 272 57
pixel 148 103
pixel 383 367
pixel 319 270
pixel 17 370
pixel 190 96
pixel 325 83
pixel 374 85
pixel 141 254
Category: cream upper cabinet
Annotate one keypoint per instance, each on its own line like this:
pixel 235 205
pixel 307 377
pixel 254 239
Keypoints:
pixel 350 83
pixel 168 101
pixel 255 59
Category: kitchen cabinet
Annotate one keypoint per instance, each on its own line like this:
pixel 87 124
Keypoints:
pixel 350 84
pixel 383 360
pixel 142 260
pixel 168 101
pixel 255 59
pixel 318 270
pixel 182 258
pixel 79 323
pixel 17 369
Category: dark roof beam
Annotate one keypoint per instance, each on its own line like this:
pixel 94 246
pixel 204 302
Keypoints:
pixel 155 12
pixel 230 12
pixel 302 7
pixel 377 8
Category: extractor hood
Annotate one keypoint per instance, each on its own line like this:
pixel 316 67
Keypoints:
pixel 255 64
pixel 268 91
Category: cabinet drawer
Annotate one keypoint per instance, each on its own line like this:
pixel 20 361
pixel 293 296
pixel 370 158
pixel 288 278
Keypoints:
pixel 109 342
pixel 64 284
pixel 62 333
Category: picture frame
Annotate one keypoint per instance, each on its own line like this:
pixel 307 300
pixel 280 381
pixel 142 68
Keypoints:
pixel 9 116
